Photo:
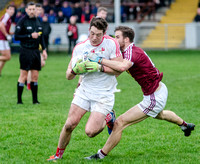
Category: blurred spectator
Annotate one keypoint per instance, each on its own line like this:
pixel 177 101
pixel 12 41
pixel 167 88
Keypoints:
pixel 197 17
pixel 19 15
pixel 38 11
pixel 61 18
pixel 95 8
pixel 46 7
pixel 14 15
pixel 72 33
pixel 52 16
pixel 123 13
pixel 41 14
pixel 77 11
pixel 131 12
pixel 87 11
pixel 22 8
pixel 102 12
pixel 57 7
pixel 67 10
pixel 46 30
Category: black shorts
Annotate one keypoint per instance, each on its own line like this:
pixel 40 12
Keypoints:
pixel 30 59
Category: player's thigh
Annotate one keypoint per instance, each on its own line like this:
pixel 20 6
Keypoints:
pixel 132 116
pixel 75 114
pixel 96 122
pixel 6 53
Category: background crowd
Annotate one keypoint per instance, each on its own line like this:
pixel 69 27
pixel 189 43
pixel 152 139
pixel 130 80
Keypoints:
pixel 60 11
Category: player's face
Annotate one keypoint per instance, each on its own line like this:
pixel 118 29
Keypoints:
pixel 10 11
pixel 119 37
pixel 95 36
pixel 102 14
pixel 38 11
pixel 30 10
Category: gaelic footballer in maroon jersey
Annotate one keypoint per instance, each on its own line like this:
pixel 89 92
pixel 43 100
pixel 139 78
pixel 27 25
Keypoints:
pixel 140 66
pixel 143 70
pixel 5 23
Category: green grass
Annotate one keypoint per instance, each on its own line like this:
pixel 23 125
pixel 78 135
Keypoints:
pixel 29 133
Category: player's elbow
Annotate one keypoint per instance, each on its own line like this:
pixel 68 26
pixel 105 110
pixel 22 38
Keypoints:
pixel 69 76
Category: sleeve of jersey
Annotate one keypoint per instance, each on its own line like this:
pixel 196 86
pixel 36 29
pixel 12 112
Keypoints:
pixel 115 49
pixel 5 19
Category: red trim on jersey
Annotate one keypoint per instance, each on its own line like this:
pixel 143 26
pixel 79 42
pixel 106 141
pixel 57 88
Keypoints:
pixel 116 43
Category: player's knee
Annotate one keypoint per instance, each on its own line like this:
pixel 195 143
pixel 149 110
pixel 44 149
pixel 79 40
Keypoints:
pixel 69 126
pixel 119 123
pixel 161 116
pixel 90 133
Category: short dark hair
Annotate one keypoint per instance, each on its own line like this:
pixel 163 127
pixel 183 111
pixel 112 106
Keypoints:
pixel 126 32
pixel 38 5
pixel 99 23
pixel 10 6
pixel 30 4
pixel 102 9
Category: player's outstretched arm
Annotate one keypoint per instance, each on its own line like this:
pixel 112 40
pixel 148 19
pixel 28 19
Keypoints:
pixel 117 65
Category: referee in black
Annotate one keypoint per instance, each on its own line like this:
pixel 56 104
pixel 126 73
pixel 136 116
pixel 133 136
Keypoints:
pixel 29 32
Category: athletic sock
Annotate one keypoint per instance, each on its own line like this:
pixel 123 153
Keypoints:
pixel 101 154
pixel 183 126
pixel 34 89
pixel 20 87
pixel 59 152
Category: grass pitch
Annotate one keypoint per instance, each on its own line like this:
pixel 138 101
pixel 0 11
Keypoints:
pixel 29 133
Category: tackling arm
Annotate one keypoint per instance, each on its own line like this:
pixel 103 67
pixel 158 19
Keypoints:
pixel 117 65
pixel 110 70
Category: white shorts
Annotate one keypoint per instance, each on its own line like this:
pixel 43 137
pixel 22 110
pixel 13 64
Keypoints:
pixel 91 102
pixel 4 45
pixel 153 104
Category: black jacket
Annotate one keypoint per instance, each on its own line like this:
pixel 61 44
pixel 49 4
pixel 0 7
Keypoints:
pixel 24 28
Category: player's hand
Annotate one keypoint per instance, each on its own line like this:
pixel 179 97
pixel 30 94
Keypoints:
pixel 9 38
pixel 93 67
pixel 35 35
pixel 79 68
pixel 44 54
pixel 93 57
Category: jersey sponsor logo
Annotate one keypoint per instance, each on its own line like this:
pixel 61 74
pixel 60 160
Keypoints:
pixel 18 27
pixel 40 28
pixel 29 27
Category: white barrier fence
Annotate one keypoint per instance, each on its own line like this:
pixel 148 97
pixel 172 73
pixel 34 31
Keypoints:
pixel 191 38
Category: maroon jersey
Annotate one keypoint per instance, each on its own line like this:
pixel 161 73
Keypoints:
pixel 74 30
pixel 143 70
pixel 7 22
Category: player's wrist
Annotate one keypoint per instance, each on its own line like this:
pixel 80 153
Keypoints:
pixel 72 71
pixel 100 60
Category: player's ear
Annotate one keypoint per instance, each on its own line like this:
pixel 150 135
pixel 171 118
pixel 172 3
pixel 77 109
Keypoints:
pixel 126 39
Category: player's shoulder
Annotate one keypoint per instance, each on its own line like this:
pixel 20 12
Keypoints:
pixel 82 44
pixel 110 40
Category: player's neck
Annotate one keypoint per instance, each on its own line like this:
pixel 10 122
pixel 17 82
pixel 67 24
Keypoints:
pixel 126 45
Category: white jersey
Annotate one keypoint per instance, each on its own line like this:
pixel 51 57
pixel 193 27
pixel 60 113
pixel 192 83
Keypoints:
pixel 98 82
